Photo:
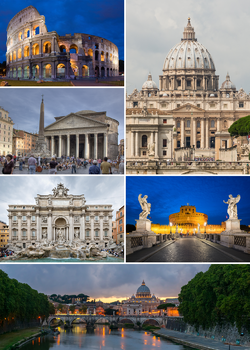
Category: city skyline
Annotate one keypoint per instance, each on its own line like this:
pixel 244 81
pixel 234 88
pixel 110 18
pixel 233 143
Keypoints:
pixel 154 28
pixel 105 282
pixel 97 190
pixel 96 18
pixel 168 193
pixel 60 102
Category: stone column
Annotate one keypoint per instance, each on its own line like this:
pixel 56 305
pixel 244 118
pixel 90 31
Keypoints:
pixel 50 227
pixel 202 132
pixel 95 146
pixel 110 227
pixel 194 132
pixel 105 148
pixel 218 124
pixel 207 136
pixel 82 229
pixel 52 146
pixel 38 226
pixel 77 145
pixel 136 145
pixel 92 227
pixel 182 133
pixel 60 146
pixel 86 156
pixel 71 227
pixel 19 223
pixel 68 146
pixel 204 83
pixel 156 144
pixel 132 144
pixel 28 227
pixel 101 227
pixel 10 227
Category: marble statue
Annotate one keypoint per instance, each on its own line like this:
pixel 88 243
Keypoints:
pixel 151 149
pixel 76 234
pixel 44 234
pixel 146 207
pixel 232 207
pixel 60 237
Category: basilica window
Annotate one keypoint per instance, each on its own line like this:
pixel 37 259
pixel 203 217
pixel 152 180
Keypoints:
pixel 144 153
pixel 241 104
pixel 144 141
pixel 212 123
pixel 14 218
pixel 179 82
pixel 178 144
pixel 96 218
pixel 87 233
pixel 96 233
pixel 33 218
pixel 198 83
pixel 164 121
pixel 87 218
pixel 188 123
pixel 198 144
pixel 24 218
pixel 164 153
pixel 164 142
pixel 135 104
pixel 189 83
pixel 178 124
pixel 198 124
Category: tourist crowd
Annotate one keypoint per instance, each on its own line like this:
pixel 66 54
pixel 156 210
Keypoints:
pixel 5 252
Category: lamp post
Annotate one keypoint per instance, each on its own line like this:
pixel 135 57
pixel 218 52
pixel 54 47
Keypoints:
pixel 170 229
pixel 205 224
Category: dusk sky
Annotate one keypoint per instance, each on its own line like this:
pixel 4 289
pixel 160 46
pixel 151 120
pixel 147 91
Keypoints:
pixel 97 190
pixel 168 193
pixel 24 104
pixel 97 17
pixel 154 27
pixel 116 281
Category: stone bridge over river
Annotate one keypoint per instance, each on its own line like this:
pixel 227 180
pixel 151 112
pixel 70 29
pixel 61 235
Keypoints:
pixel 90 320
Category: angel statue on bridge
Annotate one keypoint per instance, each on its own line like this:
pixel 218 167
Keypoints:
pixel 232 207
pixel 146 207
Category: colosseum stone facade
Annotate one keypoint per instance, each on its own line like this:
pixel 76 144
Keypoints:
pixel 33 52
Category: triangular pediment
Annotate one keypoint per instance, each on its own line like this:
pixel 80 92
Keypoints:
pixel 188 107
pixel 74 121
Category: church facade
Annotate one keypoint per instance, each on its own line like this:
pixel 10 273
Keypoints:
pixel 188 115
pixel 33 52
pixel 60 217
pixel 85 134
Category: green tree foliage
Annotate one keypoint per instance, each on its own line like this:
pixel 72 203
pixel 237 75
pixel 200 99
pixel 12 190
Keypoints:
pixel 72 308
pixel 83 309
pixel 60 307
pixel 241 127
pixel 19 300
pixel 165 306
pixel 52 309
pixel 220 295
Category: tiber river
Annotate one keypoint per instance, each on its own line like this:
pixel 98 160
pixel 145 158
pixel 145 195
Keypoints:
pixel 101 338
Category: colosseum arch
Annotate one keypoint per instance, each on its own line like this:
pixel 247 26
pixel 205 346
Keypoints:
pixel 63 48
pixel 20 36
pixel 35 49
pixel 36 30
pixel 60 70
pixel 47 71
pixel 27 33
pixel 102 56
pixel 19 72
pixel 26 72
pixel 19 53
pixel 47 47
pixel 14 55
pixel 90 52
pixel 26 51
pixel 35 71
pixel 75 70
pixel 85 71
pixel 73 48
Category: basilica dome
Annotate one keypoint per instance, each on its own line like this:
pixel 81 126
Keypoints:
pixel 189 53
pixel 227 84
pixel 143 291
pixel 149 84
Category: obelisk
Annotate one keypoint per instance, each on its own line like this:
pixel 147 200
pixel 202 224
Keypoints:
pixel 41 123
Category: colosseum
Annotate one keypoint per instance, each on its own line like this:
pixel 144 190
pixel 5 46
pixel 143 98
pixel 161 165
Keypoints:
pixel 33 52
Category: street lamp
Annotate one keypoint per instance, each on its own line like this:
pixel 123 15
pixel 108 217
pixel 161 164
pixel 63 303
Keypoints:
pixel 170 229
pixel 205 224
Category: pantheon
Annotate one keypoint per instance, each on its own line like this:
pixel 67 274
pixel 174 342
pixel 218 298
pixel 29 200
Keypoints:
pixel 60 217
pixel 188 112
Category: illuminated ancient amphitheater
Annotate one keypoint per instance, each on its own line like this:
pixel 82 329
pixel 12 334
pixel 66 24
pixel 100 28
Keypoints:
pixel 33 52
pixel 188 221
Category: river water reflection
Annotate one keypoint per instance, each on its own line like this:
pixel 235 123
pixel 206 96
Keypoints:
pixel 101 338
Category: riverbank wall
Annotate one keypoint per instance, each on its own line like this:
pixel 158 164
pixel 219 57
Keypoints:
pixel 10 325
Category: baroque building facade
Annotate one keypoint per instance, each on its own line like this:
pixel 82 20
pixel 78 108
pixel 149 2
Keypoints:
pixel 33 52
pixel 60 217
pixel 188 111
pixel 6 132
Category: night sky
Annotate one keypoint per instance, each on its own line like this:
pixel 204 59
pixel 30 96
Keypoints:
pixel 116 281
pixel 97 17
pixel 97 190
pixel 168 193
pixel 23 104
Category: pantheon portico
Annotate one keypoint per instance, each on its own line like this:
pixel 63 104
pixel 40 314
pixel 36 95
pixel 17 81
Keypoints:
pixel 85 134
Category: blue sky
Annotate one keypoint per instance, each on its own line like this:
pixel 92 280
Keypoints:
pixel 97 17
pixel 168 193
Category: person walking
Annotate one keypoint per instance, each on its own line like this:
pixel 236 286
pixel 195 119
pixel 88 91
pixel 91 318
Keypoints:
pixel 73 167
pixel 106 167
pixel 8 165
pixel 53 164
pixel 32 165
pixel 94 169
